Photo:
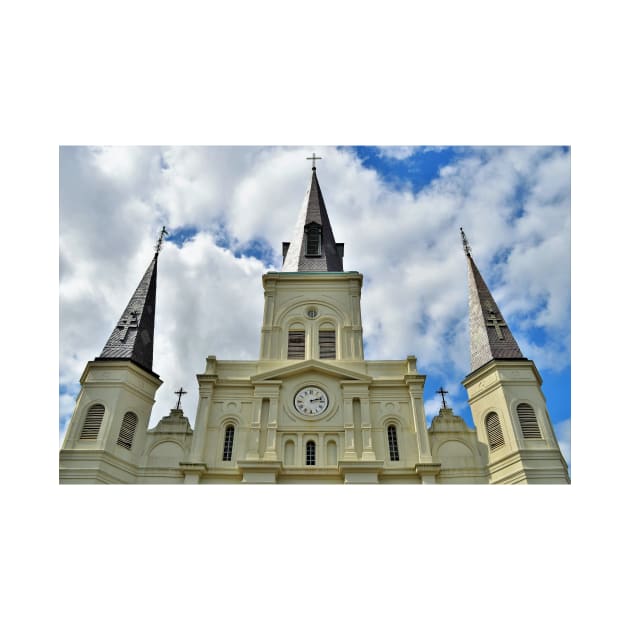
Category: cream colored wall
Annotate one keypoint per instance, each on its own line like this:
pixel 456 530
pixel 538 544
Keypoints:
pixel 120 387
pixel 288 296
pixel 257 398
pixel 499 387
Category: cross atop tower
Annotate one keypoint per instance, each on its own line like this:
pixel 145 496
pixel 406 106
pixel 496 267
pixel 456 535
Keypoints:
pixel 180 393
pixel 442 391
pixel 467 249
pixel 163 233
pixel 314 157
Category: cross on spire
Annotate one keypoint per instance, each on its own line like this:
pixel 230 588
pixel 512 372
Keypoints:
pixel 180 393
pixel 496 322
pixel 442 391
pixel 163 233
pixel 131 321
pixel 314 157
pixel 467 249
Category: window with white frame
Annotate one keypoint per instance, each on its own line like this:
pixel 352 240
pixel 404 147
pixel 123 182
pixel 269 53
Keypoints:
pixel 228 443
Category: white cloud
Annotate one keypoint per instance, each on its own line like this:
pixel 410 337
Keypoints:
pixel 113 202
pixel 396 153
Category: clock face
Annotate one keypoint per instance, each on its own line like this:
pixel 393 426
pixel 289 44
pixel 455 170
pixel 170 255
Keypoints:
pixel 311 401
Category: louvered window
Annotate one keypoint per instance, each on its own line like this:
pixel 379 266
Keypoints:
pixel 327 344
pixel 392 441
pixel 310 453
pixel 528 422
pixel 228 443
pixel 92 424
pixel 313 240
pixel 296 344
pixel 127 430
pixel 493 429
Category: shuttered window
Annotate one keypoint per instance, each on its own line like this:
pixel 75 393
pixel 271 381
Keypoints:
pixel 392 441
pixel 127 430
pixel 310 453
pixel 92 424
pixel 327 344
pixel 528 422
pixel 228 443
pixel 493 429
pixel 313 240
pixel 296 344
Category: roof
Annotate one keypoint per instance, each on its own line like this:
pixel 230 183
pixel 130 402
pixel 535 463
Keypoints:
pixel 132 338
pixel 490 336
pixel 313 215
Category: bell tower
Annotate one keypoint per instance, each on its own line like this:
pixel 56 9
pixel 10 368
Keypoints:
pixel 107 431
pixel 505 396
pixel 312 306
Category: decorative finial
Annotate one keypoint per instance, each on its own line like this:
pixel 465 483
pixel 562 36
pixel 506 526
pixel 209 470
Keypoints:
pixel 158 246
pixel 313 158
pixel 180 393
pixel 465 242
pixel 442 391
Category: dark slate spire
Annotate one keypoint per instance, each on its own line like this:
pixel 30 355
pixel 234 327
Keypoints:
pixel 132 338
pixel 313 247
pixel 490 337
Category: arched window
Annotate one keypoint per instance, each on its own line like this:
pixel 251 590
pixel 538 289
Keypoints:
pixel 392 442
pixel 327 343
pixel 310 453
pixel 494 432
pixel 92 423
pixel 313 239
pixel 295 348
pixel 529 423
pixel 127 430
pixel 228 443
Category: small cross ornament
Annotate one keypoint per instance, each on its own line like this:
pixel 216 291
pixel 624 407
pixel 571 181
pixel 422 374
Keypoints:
pixel 180 393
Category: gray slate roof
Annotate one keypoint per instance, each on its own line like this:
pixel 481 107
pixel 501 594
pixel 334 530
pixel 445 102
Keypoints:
pixel 490 337
pixel 132 337
pixel 313 211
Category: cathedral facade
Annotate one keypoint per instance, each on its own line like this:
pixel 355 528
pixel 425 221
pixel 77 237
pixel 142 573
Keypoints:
pixel 311 409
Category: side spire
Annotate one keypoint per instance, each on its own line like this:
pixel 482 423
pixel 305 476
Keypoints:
pixel 490 336
pixel 313 247
pixel 132 338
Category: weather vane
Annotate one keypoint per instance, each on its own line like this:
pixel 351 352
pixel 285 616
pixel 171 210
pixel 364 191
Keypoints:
pixel 314 157
pixel 163 233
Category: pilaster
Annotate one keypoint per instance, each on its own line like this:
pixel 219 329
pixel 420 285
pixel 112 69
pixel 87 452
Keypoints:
pixel 415 384
pixel 207 383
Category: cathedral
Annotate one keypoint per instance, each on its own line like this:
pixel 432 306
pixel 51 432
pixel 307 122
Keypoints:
pixel 311 409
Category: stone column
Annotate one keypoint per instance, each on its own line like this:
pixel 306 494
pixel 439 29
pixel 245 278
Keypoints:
pixel 271 451
pixel 206 389
pixel 416 387
pixel 349 449
pixel 253 433
pixel 366 428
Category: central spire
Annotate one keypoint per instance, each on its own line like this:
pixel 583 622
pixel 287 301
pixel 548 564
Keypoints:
pixel 313 247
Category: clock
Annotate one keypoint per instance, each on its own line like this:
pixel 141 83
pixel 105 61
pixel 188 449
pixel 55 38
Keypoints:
pixel 311 401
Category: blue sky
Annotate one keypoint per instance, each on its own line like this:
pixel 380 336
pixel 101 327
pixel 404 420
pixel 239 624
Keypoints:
pixel 398 210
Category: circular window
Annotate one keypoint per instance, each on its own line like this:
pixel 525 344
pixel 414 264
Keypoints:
pixel 311 313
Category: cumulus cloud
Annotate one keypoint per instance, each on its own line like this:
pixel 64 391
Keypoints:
pixel 512 202
pixel 396 153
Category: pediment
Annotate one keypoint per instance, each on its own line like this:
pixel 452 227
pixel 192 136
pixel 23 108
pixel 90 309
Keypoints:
pixel 311 365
